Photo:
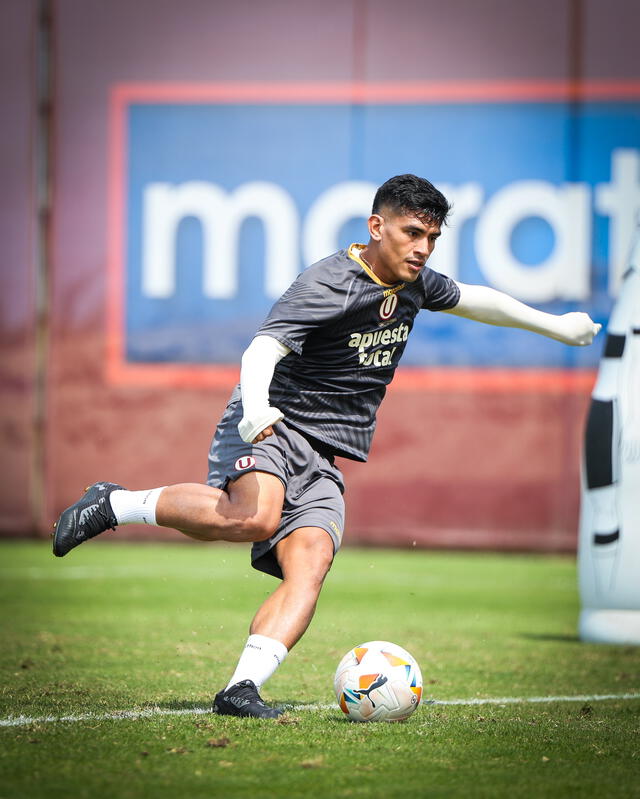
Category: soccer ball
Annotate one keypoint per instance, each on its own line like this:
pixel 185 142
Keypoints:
pixel 378 681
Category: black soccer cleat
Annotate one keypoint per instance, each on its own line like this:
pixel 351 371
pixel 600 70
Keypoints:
pixel 243 699
pixel 89 516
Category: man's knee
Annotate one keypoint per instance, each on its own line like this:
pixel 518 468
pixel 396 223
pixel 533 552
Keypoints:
pixel 307 552
pixel 259 527
pixel 257 499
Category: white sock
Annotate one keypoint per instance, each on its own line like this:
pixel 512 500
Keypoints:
pixel 260 657
pixel 135 507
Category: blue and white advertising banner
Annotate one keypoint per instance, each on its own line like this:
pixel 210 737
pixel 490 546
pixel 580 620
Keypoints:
pixel 217 204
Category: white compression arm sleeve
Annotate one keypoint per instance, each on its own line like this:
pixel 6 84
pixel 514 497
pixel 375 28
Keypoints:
pixel 485 304
pixel 258 362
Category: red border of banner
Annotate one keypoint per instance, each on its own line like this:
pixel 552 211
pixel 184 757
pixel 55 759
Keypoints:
pixel 440 379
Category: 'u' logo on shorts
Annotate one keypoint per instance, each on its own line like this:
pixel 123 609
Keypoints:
pixel 245 462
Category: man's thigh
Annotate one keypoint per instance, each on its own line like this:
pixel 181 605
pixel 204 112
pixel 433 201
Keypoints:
pixel 320 506
pixel 258 495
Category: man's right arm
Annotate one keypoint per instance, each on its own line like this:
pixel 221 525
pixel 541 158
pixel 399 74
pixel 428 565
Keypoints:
pixel 258 364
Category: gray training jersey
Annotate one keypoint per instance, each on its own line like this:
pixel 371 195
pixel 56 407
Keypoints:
pixel 347 331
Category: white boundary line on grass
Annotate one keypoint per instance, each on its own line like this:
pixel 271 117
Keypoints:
pixel 23 721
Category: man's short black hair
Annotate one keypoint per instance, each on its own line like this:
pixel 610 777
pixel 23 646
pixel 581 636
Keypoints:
pixel 409 194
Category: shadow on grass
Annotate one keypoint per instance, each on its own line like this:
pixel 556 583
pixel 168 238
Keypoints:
pixel 178 704
pixel 568 639
pixel 301 704
pixel 289 705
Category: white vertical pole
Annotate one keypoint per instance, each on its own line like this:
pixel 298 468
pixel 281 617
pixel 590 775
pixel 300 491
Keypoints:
pixel 609 544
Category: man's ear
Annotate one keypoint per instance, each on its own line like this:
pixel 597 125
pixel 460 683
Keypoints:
pixel 375 223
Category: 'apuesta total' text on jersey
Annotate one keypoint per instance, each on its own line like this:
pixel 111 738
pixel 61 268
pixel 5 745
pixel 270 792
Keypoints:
pixel 347 331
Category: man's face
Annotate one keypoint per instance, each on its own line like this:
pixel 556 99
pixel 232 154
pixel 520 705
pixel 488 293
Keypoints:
pixel 403 243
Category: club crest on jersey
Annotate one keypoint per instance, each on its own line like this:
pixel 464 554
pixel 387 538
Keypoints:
pixel 245 462
pixel 388 306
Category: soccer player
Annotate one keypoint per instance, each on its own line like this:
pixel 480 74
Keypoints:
pixel 311 383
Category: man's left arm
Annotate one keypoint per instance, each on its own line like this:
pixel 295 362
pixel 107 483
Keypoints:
pixel 484 304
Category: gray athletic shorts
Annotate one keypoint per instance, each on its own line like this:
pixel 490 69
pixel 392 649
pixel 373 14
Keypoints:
pixel 313 484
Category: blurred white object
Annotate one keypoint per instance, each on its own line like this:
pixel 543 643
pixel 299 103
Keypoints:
pixel 609 544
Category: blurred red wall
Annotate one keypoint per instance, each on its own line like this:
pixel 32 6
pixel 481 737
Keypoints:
pixel 18 503
pixel 473 467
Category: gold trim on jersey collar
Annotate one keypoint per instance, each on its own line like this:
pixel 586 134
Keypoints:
pixel 351 252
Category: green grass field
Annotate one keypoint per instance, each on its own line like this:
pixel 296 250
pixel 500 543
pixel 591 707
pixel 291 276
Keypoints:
pixel 157 628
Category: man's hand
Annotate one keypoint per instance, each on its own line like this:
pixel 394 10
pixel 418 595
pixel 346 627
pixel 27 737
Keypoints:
pixel 259 426
pixel 577 328
pixel 268 431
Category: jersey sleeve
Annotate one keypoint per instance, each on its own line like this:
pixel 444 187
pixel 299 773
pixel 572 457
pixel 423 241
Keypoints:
pixel 308 303
pixel 441 293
